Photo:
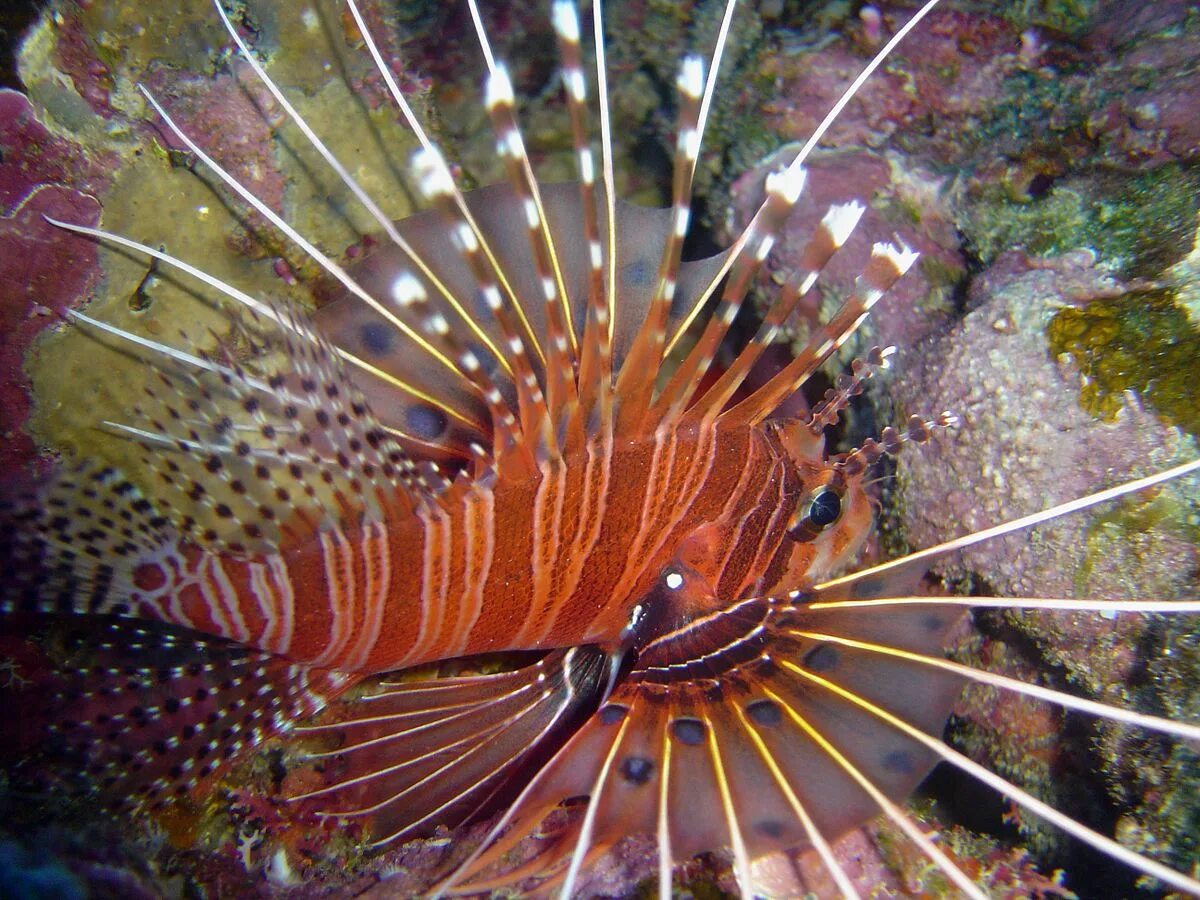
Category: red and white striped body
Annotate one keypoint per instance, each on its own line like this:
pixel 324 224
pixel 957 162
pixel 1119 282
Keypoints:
pixel 554 561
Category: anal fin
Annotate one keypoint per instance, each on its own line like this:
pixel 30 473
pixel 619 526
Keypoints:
pixel 149 712
pixel 435 752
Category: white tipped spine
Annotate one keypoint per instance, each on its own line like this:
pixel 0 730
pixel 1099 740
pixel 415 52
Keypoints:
pixel 575 84
pixel 499 91
pixel 433 176
pixel 842 219
pixel 691 77
pixel 788 184
pixel 902 256
pixel 587 166
pixel 566 20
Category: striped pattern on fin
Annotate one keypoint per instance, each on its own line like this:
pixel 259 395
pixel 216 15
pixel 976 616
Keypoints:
pixel 152 712
pixel 454 416
pixel 424 753
pixel 715 719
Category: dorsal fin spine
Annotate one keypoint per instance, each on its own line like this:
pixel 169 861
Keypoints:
pixel 887 264
pixel 434 180
pixel 264 311
pixel 639 372
pixel 829 235
pixel 333 268
pixel 596 353
pixel 409 292
pixel 560 372
pixel 456 197
pixel 782 191
pixel 758 234
pixel 647 355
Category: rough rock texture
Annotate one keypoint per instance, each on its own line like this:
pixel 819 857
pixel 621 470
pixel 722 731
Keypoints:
pixel 1026 443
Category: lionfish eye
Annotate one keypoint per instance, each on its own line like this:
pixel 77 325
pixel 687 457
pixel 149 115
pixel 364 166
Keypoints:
pixel 822 509
pixel 825 508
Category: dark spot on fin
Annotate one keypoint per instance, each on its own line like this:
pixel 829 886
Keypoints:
pixel 772 828
pixel 376 337
pixel 638 273
pixel 425 422
pixel 688 731
pixel 900 761
pixel 823 658
pixel 764 712
pixel 612 713
pixel 637 769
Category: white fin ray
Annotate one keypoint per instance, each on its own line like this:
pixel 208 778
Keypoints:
pixel 376 213
pixel 1100 842
pixel 1014 525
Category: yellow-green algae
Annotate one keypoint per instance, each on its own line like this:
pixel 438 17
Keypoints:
pixel 1141 341
pixel 165 199
pixel 1069 16
pixel 1139 526
pixel 1141 223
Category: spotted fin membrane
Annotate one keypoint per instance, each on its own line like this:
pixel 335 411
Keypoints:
pixel 724 698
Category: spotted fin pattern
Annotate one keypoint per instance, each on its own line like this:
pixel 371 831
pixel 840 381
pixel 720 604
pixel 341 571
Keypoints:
pixel 153 712
pixel 719 716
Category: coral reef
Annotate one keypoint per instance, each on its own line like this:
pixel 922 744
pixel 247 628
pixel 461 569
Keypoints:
pixel 997 145
pixel 880 862
pixel 85 124
pixel 1141 341
pixel 995 369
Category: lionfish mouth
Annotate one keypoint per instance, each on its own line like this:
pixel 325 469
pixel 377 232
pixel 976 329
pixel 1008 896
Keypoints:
pixel 520 422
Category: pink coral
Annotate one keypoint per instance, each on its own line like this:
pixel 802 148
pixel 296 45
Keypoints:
pixel 40 277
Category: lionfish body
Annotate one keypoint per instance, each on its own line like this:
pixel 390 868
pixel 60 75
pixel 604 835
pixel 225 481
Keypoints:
pixel 507 436
pixel 557 560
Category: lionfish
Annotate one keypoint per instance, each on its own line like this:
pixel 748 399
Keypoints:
pixel 511 434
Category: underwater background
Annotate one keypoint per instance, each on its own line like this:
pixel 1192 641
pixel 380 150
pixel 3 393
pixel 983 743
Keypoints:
pixel 1043 157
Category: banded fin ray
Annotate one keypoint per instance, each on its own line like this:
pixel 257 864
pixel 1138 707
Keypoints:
pixel 669 748
pixel 364 333
pixel 640 238
pixel 153 712
pixel 420 753
pixel 260 451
